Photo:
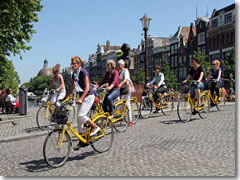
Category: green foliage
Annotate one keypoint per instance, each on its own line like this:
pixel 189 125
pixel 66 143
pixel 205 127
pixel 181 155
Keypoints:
pixel 95 78
pixel 8 77
pixel 16 28
pixel 169 76
pixel 229 64
pixel 202 60
pixel 38 84
pixel 139 78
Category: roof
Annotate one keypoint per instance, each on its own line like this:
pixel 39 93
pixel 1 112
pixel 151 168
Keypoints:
pixel 45 71
pixel 225 9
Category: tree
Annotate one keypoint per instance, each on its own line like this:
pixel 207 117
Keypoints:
pixel 16 28
pixel 202 60
pixel 8 77
pixel 169 76
pixel 38 84
pixel 229 64
pixel 139 78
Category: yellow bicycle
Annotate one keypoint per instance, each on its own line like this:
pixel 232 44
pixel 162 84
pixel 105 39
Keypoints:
pixel 218 102
pixel 46 110
pixel 186 108
pixel 58 143
pixel 148 103
pixel 120 113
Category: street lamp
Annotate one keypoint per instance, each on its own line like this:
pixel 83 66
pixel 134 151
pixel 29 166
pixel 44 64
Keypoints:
pixel 145 24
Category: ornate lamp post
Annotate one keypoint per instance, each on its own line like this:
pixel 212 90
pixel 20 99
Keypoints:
pixel 145 24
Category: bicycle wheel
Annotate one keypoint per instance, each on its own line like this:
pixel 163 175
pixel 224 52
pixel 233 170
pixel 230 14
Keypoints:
pixel 103 143
pixel 203 113
pixel 56 148
pixel 145 107
pixel 221 101
pixel 71 110
pixel 121 112
pixel 184 110
pixel 43 118
pixel 134 111
pixel 167 105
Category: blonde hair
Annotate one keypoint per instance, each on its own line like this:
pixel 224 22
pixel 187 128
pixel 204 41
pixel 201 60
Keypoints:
pixel 121 62
pixel 110 61
pixel 56 68
pixel 216 61
pixel 77 59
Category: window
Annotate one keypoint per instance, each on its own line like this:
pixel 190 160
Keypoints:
pixel 180 73
pixel 223 39
pixel 214 23
pixel 228 18
pixel 232 38
pixel 172 49
pixel 172 62
pixel 176 48
pixel 176 62
pixel 184 72
pixel 201 38
pixel 204 50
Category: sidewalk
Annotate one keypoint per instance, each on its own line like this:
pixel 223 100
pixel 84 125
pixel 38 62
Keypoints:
pixel 16 127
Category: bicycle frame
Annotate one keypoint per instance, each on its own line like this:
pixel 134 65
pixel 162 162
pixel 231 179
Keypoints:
pixel 87 138
pixel 189 99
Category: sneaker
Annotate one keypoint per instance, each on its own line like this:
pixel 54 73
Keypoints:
pixel 111 117
pixel 94 131
pixel 130 123
pixel 156 111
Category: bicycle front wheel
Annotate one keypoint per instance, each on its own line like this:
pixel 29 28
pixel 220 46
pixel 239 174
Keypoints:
pixel 184 110
pixel 135 111
pixel 122 115
pixel 145 107
pixel 56 148
pixel 43 118
pixel 221 100
pixel 105 140
pixel 167 105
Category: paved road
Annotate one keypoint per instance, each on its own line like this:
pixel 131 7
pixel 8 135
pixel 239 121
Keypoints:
pixel 158 146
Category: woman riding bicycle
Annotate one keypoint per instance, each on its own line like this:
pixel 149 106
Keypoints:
pixel 111 80
pixel 158 80
pixel 81 83
pixel 126 86
pixel 58 81
pixel 216 74
pixel 197 74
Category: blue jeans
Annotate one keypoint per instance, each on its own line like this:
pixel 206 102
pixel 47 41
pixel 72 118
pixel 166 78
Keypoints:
pixel 107 102
pixel 192 90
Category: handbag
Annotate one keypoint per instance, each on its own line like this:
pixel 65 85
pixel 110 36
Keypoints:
pixel 124 91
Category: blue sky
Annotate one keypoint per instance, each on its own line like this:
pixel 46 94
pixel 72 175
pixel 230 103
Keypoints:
pixel 75 27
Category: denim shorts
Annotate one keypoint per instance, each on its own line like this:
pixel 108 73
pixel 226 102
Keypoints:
pixel 192 90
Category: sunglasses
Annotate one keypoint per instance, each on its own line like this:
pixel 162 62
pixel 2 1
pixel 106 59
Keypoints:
pixel 73 63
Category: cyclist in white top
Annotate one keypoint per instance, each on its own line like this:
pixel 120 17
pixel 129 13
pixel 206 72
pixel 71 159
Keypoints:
pixel 59 83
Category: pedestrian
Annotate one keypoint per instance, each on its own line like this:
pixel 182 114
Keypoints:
pixel 58 81
pixel 13 101
pixel 81 84
pixel 126 86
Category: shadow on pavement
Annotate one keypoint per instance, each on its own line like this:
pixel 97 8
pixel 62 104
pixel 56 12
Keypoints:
pixel 177 121
pixel 41 165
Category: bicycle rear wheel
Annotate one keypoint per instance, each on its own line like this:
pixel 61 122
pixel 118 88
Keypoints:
pixel 203 113
pixel 56 148
pixel 103 144
pixel 135 111
pixel 184 110
pixel 221 100
pixel 167 105
pixel 121 112
pixel 145 107
pixel 43 118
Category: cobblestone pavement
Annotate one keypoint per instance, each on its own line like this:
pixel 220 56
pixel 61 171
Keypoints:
pixel 158 146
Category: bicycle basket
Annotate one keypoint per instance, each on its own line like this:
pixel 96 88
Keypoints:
pixel 60 115
pixel 44 99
